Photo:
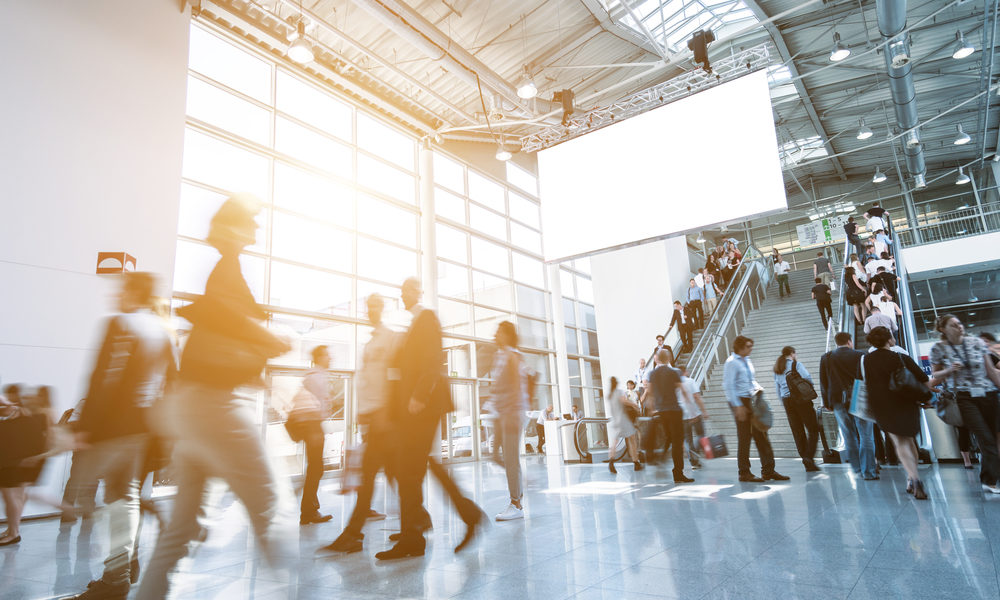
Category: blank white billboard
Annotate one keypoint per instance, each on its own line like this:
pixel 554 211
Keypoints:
pixel 706 159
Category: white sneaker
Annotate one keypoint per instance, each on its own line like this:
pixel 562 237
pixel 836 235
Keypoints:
pixel 993 489
pixel 510 513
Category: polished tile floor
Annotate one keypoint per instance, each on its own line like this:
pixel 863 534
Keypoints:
pixel 591 535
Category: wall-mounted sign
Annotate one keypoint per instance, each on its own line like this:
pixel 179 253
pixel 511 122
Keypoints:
pixel 114 262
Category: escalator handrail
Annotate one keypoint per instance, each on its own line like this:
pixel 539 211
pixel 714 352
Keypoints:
pixel 576 434
pixel 841 297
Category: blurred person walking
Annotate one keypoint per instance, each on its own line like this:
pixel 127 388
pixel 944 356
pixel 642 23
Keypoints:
pixel 963 363
pixel 623 412
pixel 305 418
pixel 896 412
pixel 421 395
pixel 789 374
pixel 133 365
pixel 373 415
pixel 214 433
pixel 824 302
pixel 508 399
pixel 741 391
pixel 665 383
pixel 694 416
pixel 24 431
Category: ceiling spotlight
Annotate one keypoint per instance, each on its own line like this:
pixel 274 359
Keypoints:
pixel 962 177
pixel 963 138
pixel 962 48
pixel 840 51
pixel 502 154
pixel 526 87
pixel 700 240
pixel 299 50
pixel 864 132
pixel 899 53
pixel 912 138
pixel 879 176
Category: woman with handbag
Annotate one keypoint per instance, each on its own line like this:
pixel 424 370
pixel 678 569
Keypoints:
pixel 896 408
pixel 963 363
pixel 205 414
pixel 623 414
pixel 854 293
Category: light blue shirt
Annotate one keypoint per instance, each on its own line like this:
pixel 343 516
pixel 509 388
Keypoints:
pixel 779 380
pixel 695 293
pixel 737 379
pixel 884 239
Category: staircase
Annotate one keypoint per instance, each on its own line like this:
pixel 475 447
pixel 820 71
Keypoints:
pixel 794 322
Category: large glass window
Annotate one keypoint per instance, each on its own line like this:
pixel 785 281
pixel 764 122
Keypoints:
pixel 310 105
pixel 211 104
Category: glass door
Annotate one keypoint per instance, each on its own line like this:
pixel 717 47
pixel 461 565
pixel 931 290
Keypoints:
pixel 282 386
pixel 462 432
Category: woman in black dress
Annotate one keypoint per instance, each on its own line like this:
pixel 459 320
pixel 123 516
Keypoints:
pixel 896 414
pixel 855 293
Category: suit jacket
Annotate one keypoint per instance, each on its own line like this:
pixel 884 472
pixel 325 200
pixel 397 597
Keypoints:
pixel 419 365
pixel 677 319
pixel 837 371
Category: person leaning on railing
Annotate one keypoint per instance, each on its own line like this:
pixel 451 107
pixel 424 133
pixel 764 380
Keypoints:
pixel 963 362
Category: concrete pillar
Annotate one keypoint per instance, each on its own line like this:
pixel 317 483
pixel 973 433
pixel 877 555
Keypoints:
pixel 562 400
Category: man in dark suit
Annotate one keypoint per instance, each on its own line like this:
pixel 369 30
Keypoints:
pixel 421 395
pixel 684 326
pixel 665 382
pixel 837 371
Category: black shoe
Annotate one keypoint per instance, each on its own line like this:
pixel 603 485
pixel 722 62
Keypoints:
pixel 346 542
pixel 682 478
pixel 316 518
pixel 400 551
pixel 638 466
pixel 133 570
pixel 472 527
pixel 909 486
pixel 374 515
pixel 774 476
pixel 872 478
pixel 98 590
pixel 611 467
pixel 750 478
pixel 812 467
pixel 918 490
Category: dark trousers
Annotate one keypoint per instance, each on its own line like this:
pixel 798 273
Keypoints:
pixel 783 286
pixel 858 244
pixel 980 418
pixel 825 310
pixel 540 430
pixel 698 316
pixel 81 489
pixel 805 429
pixel 415 439
pixel 964 439
pixel 313 439
pixel 376 456
pixel 671 424
pixel 685 329
pixel 744 432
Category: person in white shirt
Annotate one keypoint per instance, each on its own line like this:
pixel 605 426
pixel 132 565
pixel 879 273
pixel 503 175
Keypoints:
pixel 549 414
pixel 640 374
pixel 693 409
pixel 699 279
pixel 781 270
pixel 576 414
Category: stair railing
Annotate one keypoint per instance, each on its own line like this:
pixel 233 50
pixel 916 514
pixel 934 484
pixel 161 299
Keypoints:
pixel 746 291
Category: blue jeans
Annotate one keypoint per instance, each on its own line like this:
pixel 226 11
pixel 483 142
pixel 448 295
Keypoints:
pixel 859 440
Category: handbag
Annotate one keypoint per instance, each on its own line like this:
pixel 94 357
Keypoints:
pixel 860 407
pixel 947 408
pixel 763 417
pixel 714 446
pixel 830 456
pixel 903 382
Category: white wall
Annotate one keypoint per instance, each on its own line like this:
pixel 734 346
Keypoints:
pixel 93 103
pixel 950 253
pixel 634 291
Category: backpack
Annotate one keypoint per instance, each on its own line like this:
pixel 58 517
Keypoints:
pixel 798 386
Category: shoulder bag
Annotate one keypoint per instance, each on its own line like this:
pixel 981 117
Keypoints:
pixel 946 406
pixel 860 407
pixel 763 417
pixel 903 382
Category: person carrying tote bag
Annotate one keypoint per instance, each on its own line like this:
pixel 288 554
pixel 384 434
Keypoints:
pixel 963 362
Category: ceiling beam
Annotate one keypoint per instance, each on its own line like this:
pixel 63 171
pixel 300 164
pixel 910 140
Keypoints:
pixel 786 57
pixel 611 26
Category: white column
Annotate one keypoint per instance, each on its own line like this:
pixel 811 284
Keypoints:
pixel 562 401
pixel 428 245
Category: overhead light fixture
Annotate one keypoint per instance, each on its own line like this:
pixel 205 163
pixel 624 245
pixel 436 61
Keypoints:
pixel 840 51
pixel 962 48
pixel 502 154
pixel 526 87
pixel 299 50
pixel 864 132
pixel 962 177
pixel 963 138
pixel 899 53
pixel 912 138
pixel 879 176
pixel 700 240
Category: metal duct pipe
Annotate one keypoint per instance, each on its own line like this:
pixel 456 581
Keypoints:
pixel 891 23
